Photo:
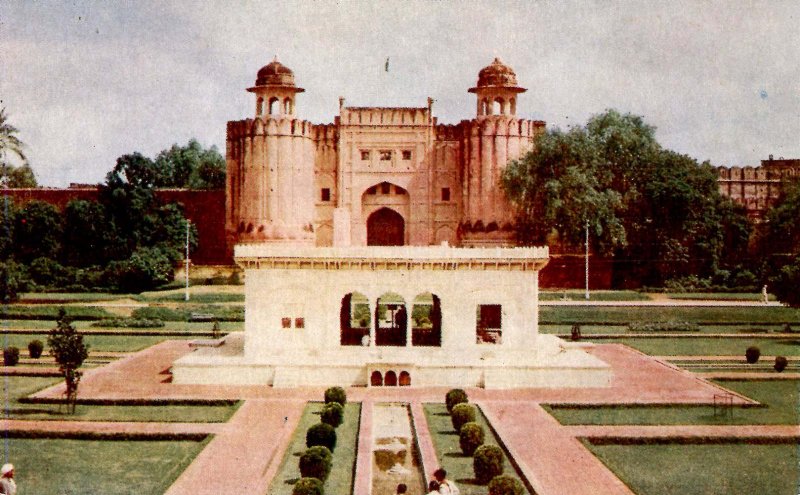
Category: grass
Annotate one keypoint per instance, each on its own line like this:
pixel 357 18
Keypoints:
pixel 719 296
pixel 50 312
pixel 779 397
pixel 623 315
pixel 227 313
pixel 708 346
pixel 70 297
pixel 198 298
pixel 117 343
pixel 16 387
pixel 725 469
pixel 448 452
pixel 177 326
pixel 340 481
pixel 599 295
pixel 70 467
pixel 733 330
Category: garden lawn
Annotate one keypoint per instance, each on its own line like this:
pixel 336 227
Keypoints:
pixel 448 451
pixel 75 467
pixel 601 295
pixel 340 481
pixel 779 396
pixel 734 330
pixel 16 387
pixel 624 315
pixel 116 343
pixel 69 297
pixel 720 296
pixel 707 346
pixel 50 312
pixel 721 469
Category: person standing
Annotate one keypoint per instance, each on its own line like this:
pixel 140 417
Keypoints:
pixel 7 484
pixel 446 487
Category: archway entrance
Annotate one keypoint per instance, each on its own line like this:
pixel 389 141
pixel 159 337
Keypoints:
pixel 386 227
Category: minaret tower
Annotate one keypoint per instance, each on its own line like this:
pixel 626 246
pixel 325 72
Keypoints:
pixel 497 90
pixel 271 166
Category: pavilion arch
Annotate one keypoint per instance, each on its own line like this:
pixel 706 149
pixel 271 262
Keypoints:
pixel 404 380
pixel 426 320
pixel 391 320
pixel 499 106
pixel 354 318
pixel 260 106
pixel 485 107
pixel 274 105
pixel 376 379
pixel 287 106
pixel 390 379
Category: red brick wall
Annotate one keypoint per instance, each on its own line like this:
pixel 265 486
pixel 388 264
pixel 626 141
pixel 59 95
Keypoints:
pixel 206 209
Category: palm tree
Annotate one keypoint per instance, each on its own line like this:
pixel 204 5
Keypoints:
pixel 9 144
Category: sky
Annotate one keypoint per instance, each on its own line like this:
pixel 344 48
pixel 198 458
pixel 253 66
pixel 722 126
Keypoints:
pixel 86 82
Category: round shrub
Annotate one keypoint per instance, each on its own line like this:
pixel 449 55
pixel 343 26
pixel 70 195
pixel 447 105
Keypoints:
pixel 453 397
pixel 752 354
pixel 336 394
pixel 332 414
pixel 462 414
pixel 321 434
pixel 470 437
pixel 505 485
pixel 10 356
pixel 308 486
pixel 487 462
pixel 780 363
pixel 316 463
pixel 35 348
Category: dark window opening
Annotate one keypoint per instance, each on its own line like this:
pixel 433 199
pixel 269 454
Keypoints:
pixel 372 190
pixel 406 155
pixel 399 190
pixel 385 155
pixel 445 194
pixel 365 155
pixel 326 194
pixel 391 379
pixel 386 188
pixel 489 324
pixel 376 379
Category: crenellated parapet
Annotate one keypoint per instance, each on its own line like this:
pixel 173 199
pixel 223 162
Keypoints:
pixel 757 188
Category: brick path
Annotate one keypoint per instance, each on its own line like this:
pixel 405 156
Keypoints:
pixel 362 480
pixel 245 455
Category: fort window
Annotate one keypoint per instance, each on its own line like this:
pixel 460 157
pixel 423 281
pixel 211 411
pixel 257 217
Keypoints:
pixel 426 321
pixel 325 194
pixel 386 155
pixel 364 155
pixel 445 194
pixel 386 188
pixel 354 318
pixel 406 155
pixel 299 322
pixel 286 322
pixel 489 324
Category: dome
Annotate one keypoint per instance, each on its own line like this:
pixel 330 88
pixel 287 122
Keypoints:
pixel 497 74
pixel 275 73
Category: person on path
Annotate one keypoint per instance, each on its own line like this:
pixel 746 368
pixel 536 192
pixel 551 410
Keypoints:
pixel 401 489
pixel 433 488
pixel 7 484
pixel 446 487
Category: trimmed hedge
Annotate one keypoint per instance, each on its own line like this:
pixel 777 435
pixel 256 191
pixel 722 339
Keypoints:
pixel 462 414
pixel 332 414
pixel 471 437
pixel 454 397
pixel 129 323
pixel 35 348
pixel 752 354
pixel 487 462
pixel 336 394
pixel 10 356
pixel 780 363
pixel 321 434
pixel 316 462
pixel 308 486
pixel 505 485
pixel 664 326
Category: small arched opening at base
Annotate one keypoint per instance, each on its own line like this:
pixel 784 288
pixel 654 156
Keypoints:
pixel 391 379
pixel 405 379
pixel 376 379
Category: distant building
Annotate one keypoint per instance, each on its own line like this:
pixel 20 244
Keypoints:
pixel 757 188
pixel 376 175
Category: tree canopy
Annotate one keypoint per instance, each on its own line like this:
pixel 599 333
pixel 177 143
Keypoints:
pixel 12 146
pixel 653 209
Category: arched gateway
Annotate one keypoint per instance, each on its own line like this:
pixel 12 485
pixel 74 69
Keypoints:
pixel 386 227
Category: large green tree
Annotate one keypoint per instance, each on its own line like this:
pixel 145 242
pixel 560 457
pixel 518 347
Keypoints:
pixel 190 166
pixel 779 245
pixel 37 232
pixel 659 213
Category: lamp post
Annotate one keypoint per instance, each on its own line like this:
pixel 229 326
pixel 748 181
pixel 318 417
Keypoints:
pixel 587 260
pixel 186 260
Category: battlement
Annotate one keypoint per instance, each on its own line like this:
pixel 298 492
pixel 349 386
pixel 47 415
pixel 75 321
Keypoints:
pixel 399 116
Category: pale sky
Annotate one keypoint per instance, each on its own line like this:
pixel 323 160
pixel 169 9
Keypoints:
pixel 86 82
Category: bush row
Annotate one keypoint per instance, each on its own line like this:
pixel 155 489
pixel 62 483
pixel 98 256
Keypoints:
pixel 663 326
pixel 316 461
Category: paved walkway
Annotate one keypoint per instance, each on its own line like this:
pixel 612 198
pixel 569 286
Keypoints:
pixel 553 460
pixel 245 455
pixel 362 480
